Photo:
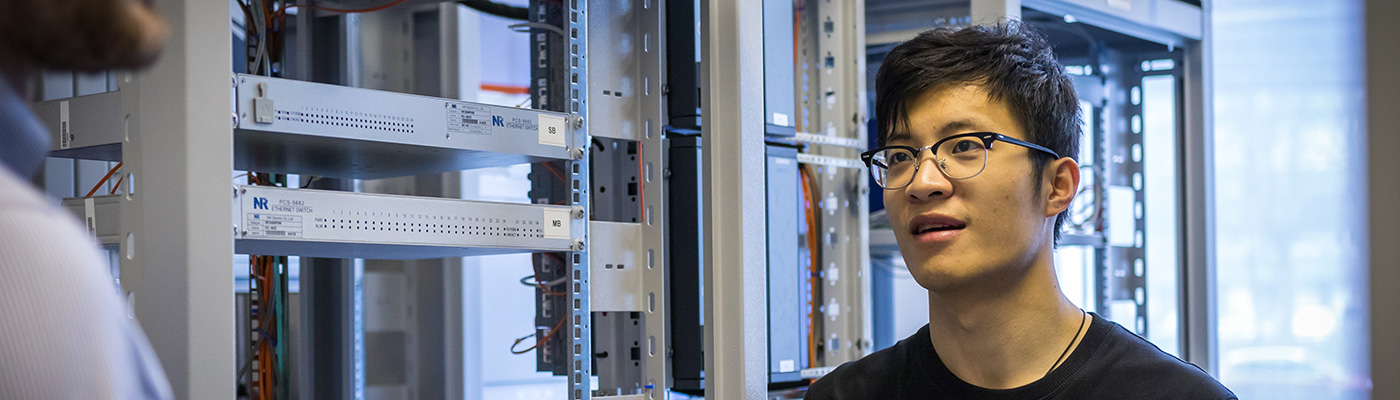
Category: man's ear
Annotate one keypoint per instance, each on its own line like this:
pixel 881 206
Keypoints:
pixel 1062 182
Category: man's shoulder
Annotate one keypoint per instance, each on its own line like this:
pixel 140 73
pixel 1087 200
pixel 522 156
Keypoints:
pixel 857 379
pixel 74 319
pixel 1139 369
pixel 878 375
pixel 29 216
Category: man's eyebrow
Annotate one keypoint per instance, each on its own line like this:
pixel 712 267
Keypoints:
pixel 959 126
pixel 898 136
pixel 949 129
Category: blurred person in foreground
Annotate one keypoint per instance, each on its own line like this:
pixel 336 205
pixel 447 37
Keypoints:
pixel 64 329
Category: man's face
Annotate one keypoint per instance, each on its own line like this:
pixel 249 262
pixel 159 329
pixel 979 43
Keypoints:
pixel 83 35
pixel 997 221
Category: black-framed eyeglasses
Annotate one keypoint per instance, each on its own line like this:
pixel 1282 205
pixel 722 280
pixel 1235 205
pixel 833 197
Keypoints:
pixel 964 156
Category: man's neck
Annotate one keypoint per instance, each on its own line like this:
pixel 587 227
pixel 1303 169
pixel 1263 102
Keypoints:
pixel 1008 333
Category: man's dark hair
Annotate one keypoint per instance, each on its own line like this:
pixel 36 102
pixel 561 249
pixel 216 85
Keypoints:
pixel 1010 60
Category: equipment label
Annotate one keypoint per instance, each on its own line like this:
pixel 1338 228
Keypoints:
pixel 273 225
pixel 552 130
pixel 556 223
pixel 780 119
pixel 89 215
pixel 469 118
pixel 65 137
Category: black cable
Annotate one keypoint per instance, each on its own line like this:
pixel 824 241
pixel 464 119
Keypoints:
pixel 498 9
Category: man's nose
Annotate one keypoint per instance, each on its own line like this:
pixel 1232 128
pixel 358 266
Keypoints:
pixel 929 181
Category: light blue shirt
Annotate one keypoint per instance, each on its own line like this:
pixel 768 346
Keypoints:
pixel 23 139
pixel 65 332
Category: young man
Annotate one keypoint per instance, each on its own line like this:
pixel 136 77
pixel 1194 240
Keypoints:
pixel 64 330
pixel 978 128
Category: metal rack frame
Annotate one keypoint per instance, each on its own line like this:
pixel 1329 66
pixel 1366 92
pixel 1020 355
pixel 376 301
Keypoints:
pixel 176 142
pixel 735 292
pixel 833 102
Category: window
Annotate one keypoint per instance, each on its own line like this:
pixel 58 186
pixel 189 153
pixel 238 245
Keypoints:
pixel 1289 199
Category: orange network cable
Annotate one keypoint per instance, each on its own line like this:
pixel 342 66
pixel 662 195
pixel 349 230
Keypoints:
pixel 549 165
pixel 258 310
pixel 263 356
pixel 262 270
pixel 546 338
pixel 535 262
pixel 812 253
pixel 104 180
pixel 117 185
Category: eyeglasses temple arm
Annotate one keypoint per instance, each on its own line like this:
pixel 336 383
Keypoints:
pixel 1026 144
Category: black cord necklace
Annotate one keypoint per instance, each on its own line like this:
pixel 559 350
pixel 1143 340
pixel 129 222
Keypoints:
pixel 1083 316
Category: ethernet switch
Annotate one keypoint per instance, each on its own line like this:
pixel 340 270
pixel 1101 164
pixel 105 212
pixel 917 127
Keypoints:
pixel 289 126
pixel 320 223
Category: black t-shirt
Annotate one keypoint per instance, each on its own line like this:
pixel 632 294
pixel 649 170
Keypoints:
pixel 1109 363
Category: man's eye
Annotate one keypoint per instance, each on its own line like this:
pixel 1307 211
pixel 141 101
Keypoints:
pixel 966 145
pixel 899 157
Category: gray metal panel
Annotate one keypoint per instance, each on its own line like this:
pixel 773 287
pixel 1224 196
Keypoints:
pixel 787 336
pixel 617 42
pixel 732 147
pixel 894 21
pixel 330 130
pixel 652 150
pixel 778 87
pixel 625 53
pixel 104 220
pixel 1199 345
pixel 318 223
pixel 1383 140
pixel 618 348
pixel 617 175
pixel 1168 22
pixel 617 268
pixel 180 157
pixel 95 125
pixel 994 11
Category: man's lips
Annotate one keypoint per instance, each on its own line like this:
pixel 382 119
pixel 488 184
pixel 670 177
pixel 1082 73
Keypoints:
pixel 935 227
